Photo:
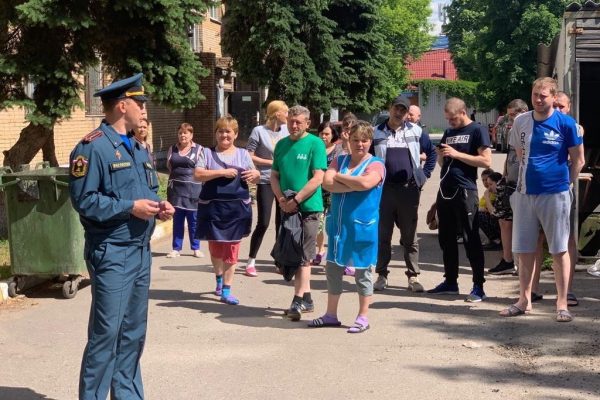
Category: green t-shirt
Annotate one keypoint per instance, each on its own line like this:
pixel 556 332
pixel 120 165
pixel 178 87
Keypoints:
pixel 295 161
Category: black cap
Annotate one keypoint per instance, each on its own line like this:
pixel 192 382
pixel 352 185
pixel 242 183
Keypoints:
pixel 130 87
pixel 401 100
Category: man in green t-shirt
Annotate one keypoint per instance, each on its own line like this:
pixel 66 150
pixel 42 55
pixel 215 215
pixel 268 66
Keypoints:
pixel 299 163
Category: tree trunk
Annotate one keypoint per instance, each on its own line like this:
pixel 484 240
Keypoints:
pixel 31 140
pixel 49 150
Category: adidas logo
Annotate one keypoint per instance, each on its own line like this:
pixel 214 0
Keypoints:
pixel 551 137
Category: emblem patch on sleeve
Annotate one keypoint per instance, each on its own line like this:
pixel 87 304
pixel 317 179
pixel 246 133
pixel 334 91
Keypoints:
pixel 79 166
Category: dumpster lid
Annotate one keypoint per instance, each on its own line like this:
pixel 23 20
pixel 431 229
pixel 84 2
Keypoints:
pixel 39 173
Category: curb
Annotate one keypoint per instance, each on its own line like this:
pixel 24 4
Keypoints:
pixel 3 291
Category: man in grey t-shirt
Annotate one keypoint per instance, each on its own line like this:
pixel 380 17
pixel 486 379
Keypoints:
pixel 505 188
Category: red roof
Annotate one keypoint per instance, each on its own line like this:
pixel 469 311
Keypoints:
pixel 434 64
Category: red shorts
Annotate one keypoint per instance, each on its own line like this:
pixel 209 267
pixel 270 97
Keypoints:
pixel 226 251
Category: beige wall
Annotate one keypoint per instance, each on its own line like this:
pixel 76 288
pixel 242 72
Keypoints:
pixel 211 36
pixel 66 133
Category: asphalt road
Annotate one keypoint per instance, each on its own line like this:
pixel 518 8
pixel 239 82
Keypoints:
pixel 419 346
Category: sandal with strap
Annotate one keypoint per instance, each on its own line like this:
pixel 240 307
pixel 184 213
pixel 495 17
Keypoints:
pixel 324 322
pixel 563 316
pixel 572 300
pixel 358 327
pixel 512 311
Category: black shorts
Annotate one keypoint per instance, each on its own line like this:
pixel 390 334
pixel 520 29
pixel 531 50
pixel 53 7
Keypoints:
pixel 504 190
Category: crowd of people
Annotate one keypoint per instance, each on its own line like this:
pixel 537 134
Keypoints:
pixel 352 183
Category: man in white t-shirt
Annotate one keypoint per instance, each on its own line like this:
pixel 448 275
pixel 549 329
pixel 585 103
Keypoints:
pixel 544 139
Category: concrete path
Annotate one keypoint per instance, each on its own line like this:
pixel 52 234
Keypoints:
pixel 419 346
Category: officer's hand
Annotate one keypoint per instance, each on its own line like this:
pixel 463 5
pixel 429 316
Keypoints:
pixel 230 173
pixel 145 209
pixel 251 176
pixel 166 211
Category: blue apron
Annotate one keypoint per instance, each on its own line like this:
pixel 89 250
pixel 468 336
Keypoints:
pixel 224 209
pixel 353 220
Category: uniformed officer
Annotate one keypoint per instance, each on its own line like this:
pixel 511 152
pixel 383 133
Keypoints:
pixel 114 189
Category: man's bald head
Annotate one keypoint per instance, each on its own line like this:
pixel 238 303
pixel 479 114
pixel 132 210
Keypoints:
pixel 563 102
pixel 414 114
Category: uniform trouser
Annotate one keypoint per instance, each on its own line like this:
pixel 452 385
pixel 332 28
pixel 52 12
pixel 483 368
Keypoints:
pixel 120 277
pixel 399 206
pixel 181 214
pixel 264 205
pixel 460 211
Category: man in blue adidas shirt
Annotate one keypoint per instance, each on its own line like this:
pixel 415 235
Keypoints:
pixel 544 139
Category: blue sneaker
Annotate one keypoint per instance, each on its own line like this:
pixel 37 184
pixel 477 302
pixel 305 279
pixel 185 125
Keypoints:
pixel 477 295
pixel 445 288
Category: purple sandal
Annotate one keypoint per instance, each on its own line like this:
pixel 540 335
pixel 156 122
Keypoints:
pixel 360 325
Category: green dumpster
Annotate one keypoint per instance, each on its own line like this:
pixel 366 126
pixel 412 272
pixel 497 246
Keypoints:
pixel 45 235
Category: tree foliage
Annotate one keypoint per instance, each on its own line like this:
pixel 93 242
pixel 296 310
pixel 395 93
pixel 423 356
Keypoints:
pixel 405 27
pixel 272 43
pixel 495 42
pixel 323 53
pixel 52 43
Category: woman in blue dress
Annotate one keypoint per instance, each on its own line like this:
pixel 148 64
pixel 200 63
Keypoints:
pixel 355 182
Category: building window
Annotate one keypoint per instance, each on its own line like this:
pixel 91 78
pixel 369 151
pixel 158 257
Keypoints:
pixel 215 12
pixel 94 81
pixel 29 88
pixel 194 38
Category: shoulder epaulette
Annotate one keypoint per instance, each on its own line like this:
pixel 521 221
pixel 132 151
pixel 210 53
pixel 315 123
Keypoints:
pixel 92 136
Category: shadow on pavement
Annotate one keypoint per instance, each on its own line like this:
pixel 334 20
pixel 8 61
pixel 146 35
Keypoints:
pixel 17 393
pixel 240 314
pixel 542 352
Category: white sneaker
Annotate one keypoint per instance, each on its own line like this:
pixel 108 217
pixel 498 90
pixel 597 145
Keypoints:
pixel 414 285
pixel 173 254
pixel 594 270
pixel 380 283
pixel 198 254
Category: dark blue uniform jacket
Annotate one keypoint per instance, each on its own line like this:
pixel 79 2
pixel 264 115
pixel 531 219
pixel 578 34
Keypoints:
pixel 106 178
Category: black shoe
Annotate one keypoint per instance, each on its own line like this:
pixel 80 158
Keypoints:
pixel 294 312
pixel 305 307
pixel 503 268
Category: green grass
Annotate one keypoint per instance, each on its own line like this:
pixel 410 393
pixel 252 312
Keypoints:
pixel 4 259
pixel 163 179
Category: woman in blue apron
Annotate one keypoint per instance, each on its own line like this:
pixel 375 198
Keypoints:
pixel 224 208
pixel 355 182
pixel 183 191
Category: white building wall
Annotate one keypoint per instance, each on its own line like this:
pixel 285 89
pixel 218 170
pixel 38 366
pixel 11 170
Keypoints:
pixel 432 111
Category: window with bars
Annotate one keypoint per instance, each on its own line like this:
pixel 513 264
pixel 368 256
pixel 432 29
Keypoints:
pixel 94 81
